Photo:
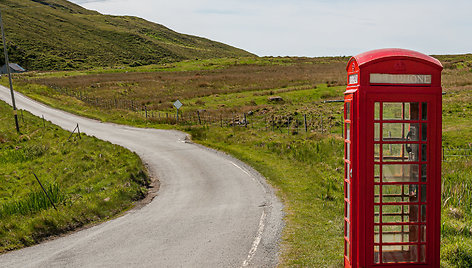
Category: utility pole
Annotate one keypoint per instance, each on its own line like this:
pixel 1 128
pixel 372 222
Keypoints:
pixel 7 64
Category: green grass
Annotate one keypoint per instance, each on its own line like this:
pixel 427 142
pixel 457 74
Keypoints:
pixel 59 35
pixel 456 250
pixel 34 202
pixel 88 180
pixel 305 168
pixel 456 228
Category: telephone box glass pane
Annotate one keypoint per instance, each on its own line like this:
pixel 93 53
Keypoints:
pixel 395 254
pixel 348 211
pixel 393 111
pixel 376 254
pixel 348 131
pixel 400 173
pixel 399 213
pixel 345 190
pixel 348 151
pixel 414 111
pixel 376 131
pixel 422 253
pixel 376 152
pixel 424 153
pixel 423 213
pixel 346 246
pixel 377 111
pixel 348 110
pixel 348 170
pixel 400 132
pixel 399 233
pixel 346 205
pixel 399 152
pixel 400 111
pixel 424 132
pixel 423 193
pixel 423 233
pixel 423 173
pixel 377 173
pixel 377 214
pixel 376 193
pixel 347 226
pixel 348 191
pixel 424 111
pixel 399 193
pixel 413 212
pixel 376 234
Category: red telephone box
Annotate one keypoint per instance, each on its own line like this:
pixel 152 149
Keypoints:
pixel 392 120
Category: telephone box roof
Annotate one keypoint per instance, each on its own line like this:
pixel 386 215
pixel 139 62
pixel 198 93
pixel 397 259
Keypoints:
pixel 372 56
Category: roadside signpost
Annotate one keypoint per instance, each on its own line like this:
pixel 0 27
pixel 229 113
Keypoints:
pixel 178 104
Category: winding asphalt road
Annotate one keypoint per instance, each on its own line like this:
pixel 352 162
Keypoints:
pixel 211 209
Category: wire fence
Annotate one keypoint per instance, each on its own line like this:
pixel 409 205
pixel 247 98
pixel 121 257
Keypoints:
pixel 450 154
pixel 324 121
pixel 295 123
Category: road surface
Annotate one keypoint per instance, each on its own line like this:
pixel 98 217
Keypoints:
pixel 211 209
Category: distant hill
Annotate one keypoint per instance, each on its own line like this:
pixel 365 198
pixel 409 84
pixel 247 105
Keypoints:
pixel 60 35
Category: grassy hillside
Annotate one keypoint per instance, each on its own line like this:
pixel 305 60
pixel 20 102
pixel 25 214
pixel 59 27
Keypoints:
pixel 89 180
pixel 59 35
pixel 306 168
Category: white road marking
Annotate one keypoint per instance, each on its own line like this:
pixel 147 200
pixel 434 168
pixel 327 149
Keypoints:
pixel 257 240
pixel 242 170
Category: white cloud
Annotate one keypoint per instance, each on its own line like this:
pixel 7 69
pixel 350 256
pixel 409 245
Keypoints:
pixel 311 28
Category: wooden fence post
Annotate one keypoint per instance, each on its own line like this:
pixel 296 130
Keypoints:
pixel 322 129
pixel 288 125
pixel 306 126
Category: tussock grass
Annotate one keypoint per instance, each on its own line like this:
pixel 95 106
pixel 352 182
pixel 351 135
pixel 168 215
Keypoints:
pixel 88 180
pixel 158 90
pixel 456 228
pixel 33 202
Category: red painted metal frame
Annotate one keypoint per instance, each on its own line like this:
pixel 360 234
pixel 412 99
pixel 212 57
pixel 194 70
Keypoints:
pixel 362 97
pixel 348 179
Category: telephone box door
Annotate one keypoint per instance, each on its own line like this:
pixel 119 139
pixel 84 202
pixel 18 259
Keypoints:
pixel 402 185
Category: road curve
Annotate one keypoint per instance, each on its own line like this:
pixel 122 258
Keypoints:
pixel 211 209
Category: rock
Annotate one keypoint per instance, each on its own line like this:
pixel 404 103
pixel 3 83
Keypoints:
pixel 275 98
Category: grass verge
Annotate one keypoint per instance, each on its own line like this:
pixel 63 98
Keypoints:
pixel 89 180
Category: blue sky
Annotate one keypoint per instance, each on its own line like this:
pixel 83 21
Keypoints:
pixel 311 27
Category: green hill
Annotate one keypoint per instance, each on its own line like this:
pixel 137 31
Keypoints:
pixel 59 35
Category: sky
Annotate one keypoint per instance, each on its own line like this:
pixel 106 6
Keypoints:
pixel 310 27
